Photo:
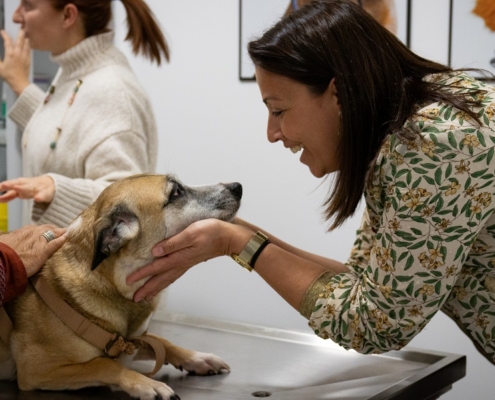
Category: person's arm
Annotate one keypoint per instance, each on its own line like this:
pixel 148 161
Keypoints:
pixel 120 155
pixel 328 263
pixel 290 271
pixel 13 278
pixel 22 253
pixel 26 105
pixel 289 274
pixel 58 199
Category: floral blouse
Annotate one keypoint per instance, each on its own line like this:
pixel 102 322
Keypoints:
pixel 427 240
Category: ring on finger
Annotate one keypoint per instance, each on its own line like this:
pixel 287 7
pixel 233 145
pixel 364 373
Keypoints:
pixel 49 236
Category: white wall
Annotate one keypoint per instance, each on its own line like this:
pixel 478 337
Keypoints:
pixel 212 128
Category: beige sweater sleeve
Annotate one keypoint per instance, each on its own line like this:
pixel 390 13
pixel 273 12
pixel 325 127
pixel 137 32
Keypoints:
pixel 128 157
pixel 26 104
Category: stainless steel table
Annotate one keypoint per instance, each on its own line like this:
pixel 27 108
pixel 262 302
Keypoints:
pixel 284 365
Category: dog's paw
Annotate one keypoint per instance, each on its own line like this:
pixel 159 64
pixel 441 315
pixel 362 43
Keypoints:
pixel 149 390
pixel 204 364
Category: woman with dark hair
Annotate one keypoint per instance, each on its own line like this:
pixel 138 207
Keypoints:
pixel 95 124
pixel 412 136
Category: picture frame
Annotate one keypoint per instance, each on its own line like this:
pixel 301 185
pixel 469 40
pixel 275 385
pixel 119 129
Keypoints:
pixel 256 16
pixel 464 51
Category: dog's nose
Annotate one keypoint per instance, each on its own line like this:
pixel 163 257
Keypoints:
pixel 235 188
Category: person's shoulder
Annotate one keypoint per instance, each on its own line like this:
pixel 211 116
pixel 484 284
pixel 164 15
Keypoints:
pixel 115 80
pixel 437 117
pixel 114 77
pixel 450 77
pixel 459 80
pixel 112 70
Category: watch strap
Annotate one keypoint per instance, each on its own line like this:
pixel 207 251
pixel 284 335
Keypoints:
pixel 258 252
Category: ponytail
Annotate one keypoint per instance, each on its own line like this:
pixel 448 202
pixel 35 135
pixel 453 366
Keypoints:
pixel 144 32
pixel 143 29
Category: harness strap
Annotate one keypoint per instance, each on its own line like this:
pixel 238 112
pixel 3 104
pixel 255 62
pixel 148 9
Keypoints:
pixel 6 326
pixel 111 343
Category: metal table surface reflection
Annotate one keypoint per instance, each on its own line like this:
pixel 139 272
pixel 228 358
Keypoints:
pixel 282 364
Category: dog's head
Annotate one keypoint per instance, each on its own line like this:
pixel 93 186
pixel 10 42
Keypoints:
pixel 132 215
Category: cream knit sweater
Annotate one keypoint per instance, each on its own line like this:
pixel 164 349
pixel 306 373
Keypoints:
pixel 107 134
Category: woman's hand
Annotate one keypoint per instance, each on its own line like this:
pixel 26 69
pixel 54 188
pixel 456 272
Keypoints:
pixel 31 247
pixel 14 68
pixel 199 242
pixel 40 188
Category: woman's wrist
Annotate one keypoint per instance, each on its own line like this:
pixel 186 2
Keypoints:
pixel 237 238
pixel 18 87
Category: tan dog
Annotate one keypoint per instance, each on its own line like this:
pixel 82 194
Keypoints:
pixel 108 241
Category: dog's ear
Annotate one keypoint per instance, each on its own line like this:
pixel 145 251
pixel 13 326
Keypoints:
pixel 119 227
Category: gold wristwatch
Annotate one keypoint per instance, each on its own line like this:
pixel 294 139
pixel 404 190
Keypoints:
pixel 250 253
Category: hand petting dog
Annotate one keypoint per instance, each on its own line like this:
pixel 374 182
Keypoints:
pixel 179 253
pixel 31 247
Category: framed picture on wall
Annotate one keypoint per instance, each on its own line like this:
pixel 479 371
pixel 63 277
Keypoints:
pixel 256 16
pixel 472 35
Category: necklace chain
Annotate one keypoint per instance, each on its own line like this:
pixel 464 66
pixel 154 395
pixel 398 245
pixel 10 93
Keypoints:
pixel 51 91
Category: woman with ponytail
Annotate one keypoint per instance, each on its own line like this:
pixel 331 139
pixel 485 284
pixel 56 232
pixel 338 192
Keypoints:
pixel 94 125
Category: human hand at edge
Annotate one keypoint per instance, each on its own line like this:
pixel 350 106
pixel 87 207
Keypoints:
pixel 197 243
pixel 15 66
pixel 31 247
pixel 40 188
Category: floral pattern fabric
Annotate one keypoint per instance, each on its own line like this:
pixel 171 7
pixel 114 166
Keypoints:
pixel 427 240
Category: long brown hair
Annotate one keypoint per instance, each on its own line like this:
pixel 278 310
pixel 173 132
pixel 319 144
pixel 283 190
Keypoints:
pixel 379 83
pixel 143 29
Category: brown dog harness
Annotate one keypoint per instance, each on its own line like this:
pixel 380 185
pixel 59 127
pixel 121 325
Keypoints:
pixel 110 343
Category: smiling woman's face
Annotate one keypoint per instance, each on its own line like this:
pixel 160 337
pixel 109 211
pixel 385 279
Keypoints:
pixel 302 120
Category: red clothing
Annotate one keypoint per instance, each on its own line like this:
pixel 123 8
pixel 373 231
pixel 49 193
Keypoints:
pixel 13 278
